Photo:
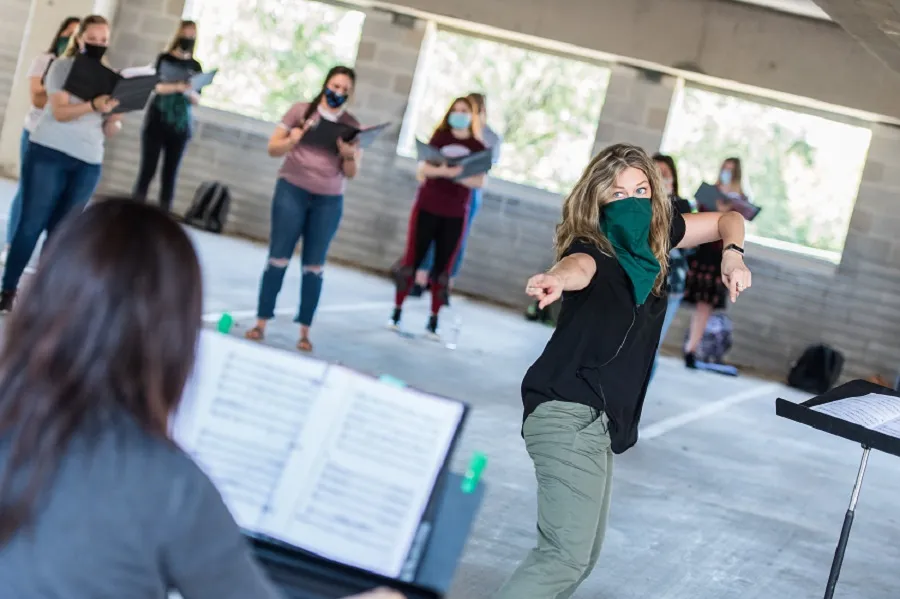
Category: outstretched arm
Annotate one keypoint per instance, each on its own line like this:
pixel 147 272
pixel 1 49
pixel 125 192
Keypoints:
pixel 729 227
pixel 572 273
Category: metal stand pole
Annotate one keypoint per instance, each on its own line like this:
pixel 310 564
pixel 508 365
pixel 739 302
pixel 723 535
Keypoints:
pixel 845 530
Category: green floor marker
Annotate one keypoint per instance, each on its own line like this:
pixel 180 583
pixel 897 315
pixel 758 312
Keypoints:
pixel 225 323
pixel 476 466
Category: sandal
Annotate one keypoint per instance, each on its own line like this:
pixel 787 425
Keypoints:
pixel 304 345
pixel 255 334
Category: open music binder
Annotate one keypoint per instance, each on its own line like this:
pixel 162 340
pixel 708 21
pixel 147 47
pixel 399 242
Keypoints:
pixel 90 78
pixel 708 197
pixel 476 163
pixel 858 411
pixel 339 480
pixel 324 134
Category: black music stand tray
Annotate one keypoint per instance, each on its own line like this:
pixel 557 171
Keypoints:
pixel 869 439
pixel 298 572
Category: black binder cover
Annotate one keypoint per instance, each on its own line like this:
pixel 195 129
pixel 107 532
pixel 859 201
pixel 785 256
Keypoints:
pixel 848 430
pixel 90 78
pixel 324 134
pixel 133 92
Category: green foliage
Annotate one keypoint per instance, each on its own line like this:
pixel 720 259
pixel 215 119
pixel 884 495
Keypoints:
pixel 802 170
pixel 272 54
pixel 546 107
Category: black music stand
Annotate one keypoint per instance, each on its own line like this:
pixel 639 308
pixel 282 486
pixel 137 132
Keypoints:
pixel 868 438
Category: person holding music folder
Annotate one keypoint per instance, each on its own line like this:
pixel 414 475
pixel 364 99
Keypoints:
pixel 583 396
pixel 308 200
pixel 168 119
pixel 703 288
pixel 63 162
pixel 96 499
pixel 493 141
pixel 439 213
pixel 38 100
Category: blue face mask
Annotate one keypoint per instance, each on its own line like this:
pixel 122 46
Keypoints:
pixel 725 177
pixel 334 99
pixel 459 120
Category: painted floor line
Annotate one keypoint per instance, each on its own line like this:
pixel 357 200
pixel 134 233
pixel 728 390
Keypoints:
pixel 657 429
pixel 212 317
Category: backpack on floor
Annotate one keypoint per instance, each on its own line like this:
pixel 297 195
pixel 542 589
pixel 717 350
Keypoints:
pixel 817 370
pixel 717 339
pixel 209 209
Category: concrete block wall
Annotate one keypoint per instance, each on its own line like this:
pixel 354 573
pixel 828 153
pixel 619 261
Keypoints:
pixel 12 31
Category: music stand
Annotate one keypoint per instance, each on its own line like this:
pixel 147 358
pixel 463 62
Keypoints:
pixel 805 413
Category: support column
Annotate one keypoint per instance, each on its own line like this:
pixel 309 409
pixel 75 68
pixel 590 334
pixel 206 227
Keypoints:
pixel 636 108
pixel 36 22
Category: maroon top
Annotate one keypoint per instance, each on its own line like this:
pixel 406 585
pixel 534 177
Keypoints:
pixel 444 197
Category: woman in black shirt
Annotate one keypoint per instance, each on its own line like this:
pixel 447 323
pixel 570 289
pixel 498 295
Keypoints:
pixel 167 124
pixel 583 396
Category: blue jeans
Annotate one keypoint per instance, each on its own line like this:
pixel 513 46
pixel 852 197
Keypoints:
pixel 297 213
pixel 671 310
pixel 15 209
pixel 53 185
pixel 474 205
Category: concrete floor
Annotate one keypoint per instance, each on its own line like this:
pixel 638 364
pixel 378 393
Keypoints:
pixel 720 499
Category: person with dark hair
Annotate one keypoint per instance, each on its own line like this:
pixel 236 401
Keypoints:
pixel 704 288
pixel 168 120
pixel 64 159
pixel 92 368
pixel 493 141
pixel 38 101
pixel 439 213
pixel 678 265
pixel 308 200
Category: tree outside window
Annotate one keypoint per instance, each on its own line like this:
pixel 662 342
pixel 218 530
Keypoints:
pixel 546 107
pixel 803 170
pixel 271 54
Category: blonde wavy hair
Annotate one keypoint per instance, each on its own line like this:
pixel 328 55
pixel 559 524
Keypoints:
pixel 582 208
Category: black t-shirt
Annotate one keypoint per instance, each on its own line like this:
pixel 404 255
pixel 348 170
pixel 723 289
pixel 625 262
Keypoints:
pixel 602 350
pixel 190 64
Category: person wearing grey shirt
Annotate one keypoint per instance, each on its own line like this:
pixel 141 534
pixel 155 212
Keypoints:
pixel 96 499
pixel 61 167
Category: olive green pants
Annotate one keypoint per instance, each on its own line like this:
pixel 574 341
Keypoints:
pixel 569 445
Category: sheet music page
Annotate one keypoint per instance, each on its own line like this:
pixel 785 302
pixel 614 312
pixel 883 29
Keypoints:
pixel 363 500
pixel 871 411
pixel 243 412
pixel 891 428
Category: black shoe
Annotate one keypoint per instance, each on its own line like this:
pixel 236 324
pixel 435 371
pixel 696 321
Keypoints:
pixel 432 325
pixel 690 360
pixel 395 319
pixel 416 290
pixel 6 300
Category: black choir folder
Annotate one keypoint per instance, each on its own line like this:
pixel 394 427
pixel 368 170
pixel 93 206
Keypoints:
pixel 339 480
pixel 476 163
pixel 90 78
pixel 324 134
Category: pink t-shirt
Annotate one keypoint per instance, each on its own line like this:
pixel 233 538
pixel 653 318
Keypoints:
pixel 314 169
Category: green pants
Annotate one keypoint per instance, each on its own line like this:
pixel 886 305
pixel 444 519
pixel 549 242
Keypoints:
pixel 569 445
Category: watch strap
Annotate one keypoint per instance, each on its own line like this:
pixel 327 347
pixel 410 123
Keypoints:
pixel 735 247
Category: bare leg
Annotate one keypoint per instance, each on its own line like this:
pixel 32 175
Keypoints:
pixel 698 326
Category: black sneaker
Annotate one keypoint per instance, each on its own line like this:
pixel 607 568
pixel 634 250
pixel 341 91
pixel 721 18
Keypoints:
pixel 690 360
pixel 432 326
pixel 395 319
pixel 6 300
pixel 416 290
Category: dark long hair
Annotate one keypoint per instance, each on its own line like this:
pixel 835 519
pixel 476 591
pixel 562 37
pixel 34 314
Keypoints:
pixel 333 72
pixel 107 329
pixel 670 162
pixel 737 172
pixel 67 22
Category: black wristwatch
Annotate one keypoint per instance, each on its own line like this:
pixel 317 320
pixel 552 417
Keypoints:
pixel 735 247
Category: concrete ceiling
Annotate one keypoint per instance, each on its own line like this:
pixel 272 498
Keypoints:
pixel 805 8
pixel 874 23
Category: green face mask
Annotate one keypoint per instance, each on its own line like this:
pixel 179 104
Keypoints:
pixel 626 223
pixel 61 45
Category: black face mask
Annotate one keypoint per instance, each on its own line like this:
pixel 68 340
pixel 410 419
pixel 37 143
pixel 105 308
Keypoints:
pixel 186 44
pixel 94 51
